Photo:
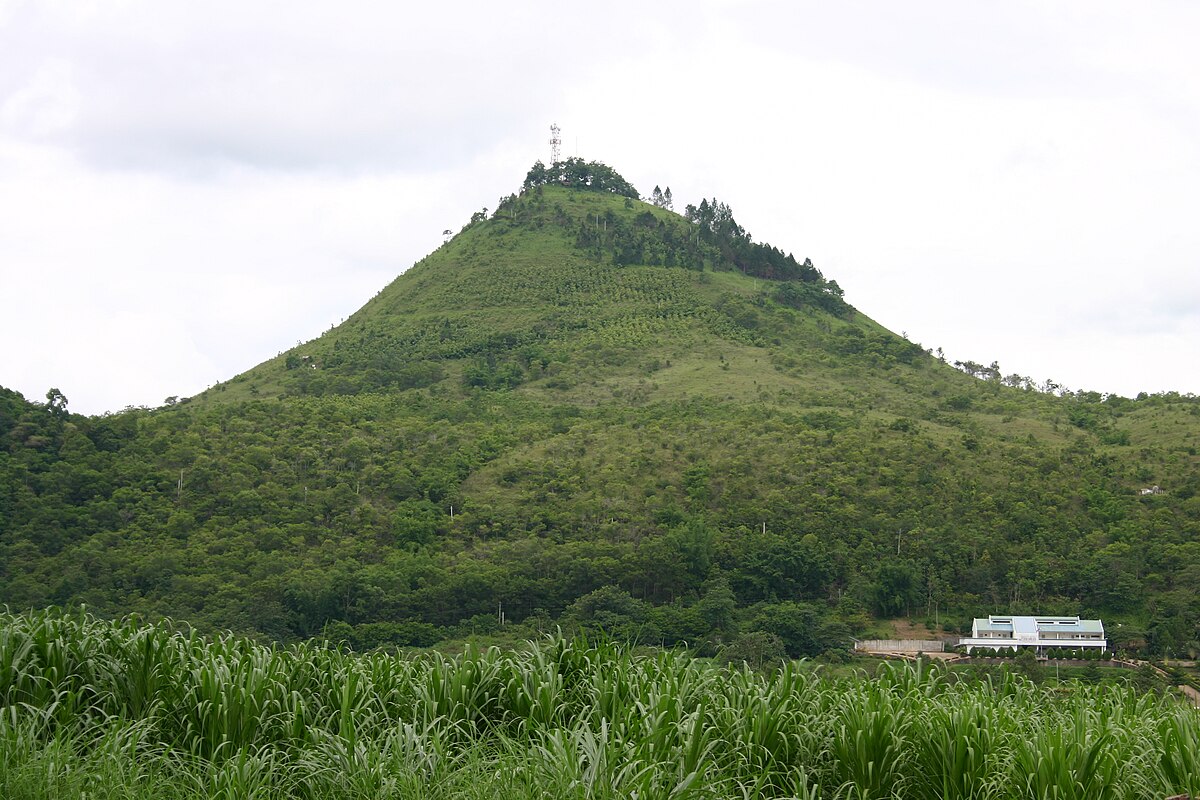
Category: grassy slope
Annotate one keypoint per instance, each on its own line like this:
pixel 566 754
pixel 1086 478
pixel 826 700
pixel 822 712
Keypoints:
pixel 628 335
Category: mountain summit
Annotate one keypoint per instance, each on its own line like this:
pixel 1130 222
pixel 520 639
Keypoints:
pixel 588 410
pixel 575 288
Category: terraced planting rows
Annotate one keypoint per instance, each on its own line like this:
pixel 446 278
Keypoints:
pixel 97 709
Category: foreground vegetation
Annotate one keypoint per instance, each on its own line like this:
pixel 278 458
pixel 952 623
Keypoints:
pixel 121 710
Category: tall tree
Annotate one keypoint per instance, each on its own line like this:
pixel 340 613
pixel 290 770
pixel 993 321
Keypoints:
pixel 56 403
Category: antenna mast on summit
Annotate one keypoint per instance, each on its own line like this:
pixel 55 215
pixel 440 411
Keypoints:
pixel 555 143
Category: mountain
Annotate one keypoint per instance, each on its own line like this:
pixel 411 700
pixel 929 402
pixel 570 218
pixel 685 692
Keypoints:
pixel 589 410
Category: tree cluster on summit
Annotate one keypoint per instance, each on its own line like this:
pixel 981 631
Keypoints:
pixel 575 173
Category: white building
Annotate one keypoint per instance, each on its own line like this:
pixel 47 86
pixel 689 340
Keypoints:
pixel 1042 633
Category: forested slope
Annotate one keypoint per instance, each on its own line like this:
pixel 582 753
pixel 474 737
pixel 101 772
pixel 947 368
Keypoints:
pixel 587 409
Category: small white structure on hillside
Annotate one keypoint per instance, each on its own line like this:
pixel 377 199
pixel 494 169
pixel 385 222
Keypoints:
pixel 1042 633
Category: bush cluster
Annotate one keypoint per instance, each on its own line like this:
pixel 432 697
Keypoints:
pixel 1081 653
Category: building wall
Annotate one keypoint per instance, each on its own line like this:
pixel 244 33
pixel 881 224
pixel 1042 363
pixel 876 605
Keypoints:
pixel 973 643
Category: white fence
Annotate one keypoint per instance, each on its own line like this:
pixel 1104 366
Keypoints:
pixel 901 646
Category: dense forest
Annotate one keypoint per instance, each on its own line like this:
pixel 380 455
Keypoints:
pixel 588 411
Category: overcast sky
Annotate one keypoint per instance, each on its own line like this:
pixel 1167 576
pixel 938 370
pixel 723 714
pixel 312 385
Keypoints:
pixel 186 189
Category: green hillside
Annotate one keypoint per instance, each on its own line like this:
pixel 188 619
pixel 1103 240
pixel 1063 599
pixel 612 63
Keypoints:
pixel 588 410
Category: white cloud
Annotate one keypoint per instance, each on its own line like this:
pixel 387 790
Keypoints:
pixel 359 86
pixel 188 189
pixel 48 104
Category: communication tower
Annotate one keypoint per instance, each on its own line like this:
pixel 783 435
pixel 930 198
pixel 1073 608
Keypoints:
pixel 555 143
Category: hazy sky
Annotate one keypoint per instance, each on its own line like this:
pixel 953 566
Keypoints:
pixel 187 189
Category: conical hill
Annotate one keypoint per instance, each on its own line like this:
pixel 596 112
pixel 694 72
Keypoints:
pixel 591 411
pixel 577 296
